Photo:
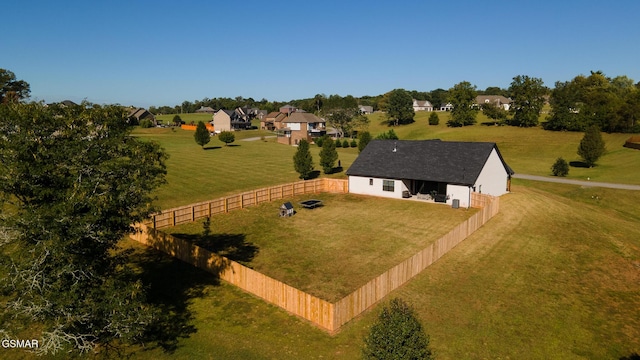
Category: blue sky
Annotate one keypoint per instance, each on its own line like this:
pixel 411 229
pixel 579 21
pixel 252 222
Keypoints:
pixel 147 53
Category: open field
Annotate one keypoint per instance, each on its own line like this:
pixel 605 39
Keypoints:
pixel 329 251
pixel 555 275
pixel 221 170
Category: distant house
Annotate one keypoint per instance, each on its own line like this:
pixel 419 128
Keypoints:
pixel 288 109
pixel 300 125
pixel 230 120
pixel 446 107
pixel 422 105
pixel 272 121
pixel 497 100
pixel 137 114
pixel 364 109
pixel 206 110
pixel 442 170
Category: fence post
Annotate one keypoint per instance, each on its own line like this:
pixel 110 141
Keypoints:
pixel 173 218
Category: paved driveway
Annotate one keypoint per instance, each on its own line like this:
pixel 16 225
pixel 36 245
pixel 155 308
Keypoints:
pixel 576 182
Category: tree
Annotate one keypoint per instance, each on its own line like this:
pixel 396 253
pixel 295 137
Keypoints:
pixel 72 181
pixel 400 107
pixel 346 120
pixel 434 119
pixel 494 112
pixel 328 155
pixel 177 121
pixel 389 135
pixel 364 138
pixel 227 137
pixel 12 90
pixel 302 160
pixel 462 96
pixel 527 94
pixel 397 334
pixel 202 136
pixel 439 97
pixel 560 167
pixel 591 146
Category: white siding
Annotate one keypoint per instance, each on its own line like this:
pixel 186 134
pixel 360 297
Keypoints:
pixel 460 192
pixel 294 126
pixel 361 185
pixel 493 178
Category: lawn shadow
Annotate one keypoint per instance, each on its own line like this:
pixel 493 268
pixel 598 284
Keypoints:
pixel 336 170
pixel 171 287
pixel 314 174
pixel 212 147
pixel 579 164
pixel 233 145
pixel 634 356
pixel 232 246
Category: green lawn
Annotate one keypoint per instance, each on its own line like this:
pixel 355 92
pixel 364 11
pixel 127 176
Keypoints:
pixel 555 275
pixel 329 251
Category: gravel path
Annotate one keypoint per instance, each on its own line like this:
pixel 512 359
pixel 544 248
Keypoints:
pixel 576 182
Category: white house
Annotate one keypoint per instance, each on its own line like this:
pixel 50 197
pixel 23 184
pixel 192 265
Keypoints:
pixel 442 170
pixel 420 105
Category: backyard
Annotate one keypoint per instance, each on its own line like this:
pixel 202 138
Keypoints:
pixel 331 250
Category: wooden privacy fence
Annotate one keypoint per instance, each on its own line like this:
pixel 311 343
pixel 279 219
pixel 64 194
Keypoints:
pixel 326 315
pixel 190 213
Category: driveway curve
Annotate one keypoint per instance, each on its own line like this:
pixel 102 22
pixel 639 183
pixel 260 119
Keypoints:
pixel 576 182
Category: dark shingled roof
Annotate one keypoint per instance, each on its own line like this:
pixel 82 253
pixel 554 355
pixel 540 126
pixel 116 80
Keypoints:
pixel 452 162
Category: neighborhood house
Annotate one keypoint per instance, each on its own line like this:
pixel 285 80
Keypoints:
pixel 300 125
pixel 443 171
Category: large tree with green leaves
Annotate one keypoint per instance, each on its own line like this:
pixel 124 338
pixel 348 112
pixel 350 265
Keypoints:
pixel 397 334
pixel 462 96
pixel 528 97
pixel 345 121
pixel 72 182
pixel 328 155
pixel 302 160
pixel 400 107
pixel 591 146
pixel 202 136
pixel 11 89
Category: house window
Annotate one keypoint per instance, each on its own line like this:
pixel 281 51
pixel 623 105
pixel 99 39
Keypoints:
pixel 370 182
pixel 388 185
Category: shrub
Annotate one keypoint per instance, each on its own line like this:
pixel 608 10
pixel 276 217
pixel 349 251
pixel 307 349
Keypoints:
pixel 227 137
pixel 321 139
pixel 202 136
pixel 338 143
pixel 302 160
pixel 591 146
pixel 364 138
pixel 145 123
pixel 328 155
pixel 397 335
pixel 353 143
pixel 345 143
pixel 560 167
pixel 434 119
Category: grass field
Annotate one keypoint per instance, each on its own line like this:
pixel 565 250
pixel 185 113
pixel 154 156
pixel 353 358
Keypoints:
pixel 555 275
pixel 329 251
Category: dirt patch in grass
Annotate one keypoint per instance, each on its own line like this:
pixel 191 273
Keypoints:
pixel 328 251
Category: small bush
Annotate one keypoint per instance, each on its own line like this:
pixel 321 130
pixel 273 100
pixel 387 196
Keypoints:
pixel 353 143
pixel 338 143
pixel 145 123
pixel 321 139
pixel 345 143
pixel 434 119
pixel 560 167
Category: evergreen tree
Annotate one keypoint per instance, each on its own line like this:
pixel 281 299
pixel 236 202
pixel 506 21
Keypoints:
pixel 591 146
pixel 434 119
pixel 389 135
pixel 202 134
pixel 328 155
pixel 364 138
pixel 397 335
pixel 302 160
pixel 560 167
